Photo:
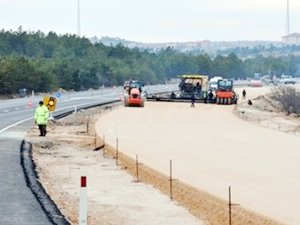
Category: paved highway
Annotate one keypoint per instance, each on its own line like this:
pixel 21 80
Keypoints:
pixel 18 205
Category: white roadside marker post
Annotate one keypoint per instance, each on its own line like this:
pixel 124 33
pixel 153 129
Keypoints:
pixel 83 202
pixel 51 116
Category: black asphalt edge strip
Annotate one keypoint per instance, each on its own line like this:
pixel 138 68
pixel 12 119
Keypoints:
pixel 32 179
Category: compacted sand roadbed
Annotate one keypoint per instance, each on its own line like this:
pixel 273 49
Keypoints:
pixel 211 149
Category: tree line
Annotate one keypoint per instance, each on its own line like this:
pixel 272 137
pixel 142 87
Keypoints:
pixel 271 50
pixel 47 62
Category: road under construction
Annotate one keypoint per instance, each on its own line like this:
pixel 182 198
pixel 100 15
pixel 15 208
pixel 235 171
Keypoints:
pixel 212 148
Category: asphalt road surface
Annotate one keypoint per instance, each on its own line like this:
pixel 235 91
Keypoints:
pixel 18 205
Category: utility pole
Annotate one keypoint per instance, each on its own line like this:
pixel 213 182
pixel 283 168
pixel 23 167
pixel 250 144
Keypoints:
pixel 78 18
pixel 288 18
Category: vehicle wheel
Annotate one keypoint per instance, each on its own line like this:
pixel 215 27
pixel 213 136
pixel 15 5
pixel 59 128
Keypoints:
pixel 126 103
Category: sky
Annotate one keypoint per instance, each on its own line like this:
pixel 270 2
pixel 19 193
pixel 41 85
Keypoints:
pixel 156 20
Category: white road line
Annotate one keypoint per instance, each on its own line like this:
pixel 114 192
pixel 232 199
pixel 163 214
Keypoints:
pixel 15 124
pixel 22 121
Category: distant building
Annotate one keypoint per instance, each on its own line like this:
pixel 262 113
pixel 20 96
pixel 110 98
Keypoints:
pixel 291 39
pixel 205 43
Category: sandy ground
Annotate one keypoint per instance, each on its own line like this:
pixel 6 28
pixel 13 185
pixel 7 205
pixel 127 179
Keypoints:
pixel 253 149
pixel 214 146
pixel 114 196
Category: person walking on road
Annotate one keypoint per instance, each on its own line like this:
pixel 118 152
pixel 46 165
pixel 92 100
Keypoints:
pixel 193 100
pixel 210 96
pixel 244 94
pixel 41 117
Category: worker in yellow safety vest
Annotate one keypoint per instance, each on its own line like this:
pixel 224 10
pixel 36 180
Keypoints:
pixel 41 117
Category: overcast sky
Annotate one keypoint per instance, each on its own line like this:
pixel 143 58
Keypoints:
pixel 155 20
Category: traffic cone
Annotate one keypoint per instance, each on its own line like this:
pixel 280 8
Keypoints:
pixel 29 103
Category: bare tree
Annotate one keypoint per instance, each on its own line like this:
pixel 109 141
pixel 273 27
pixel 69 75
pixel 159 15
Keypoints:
pixel 288 98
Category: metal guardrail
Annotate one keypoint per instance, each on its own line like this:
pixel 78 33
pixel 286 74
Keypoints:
pixel 70 111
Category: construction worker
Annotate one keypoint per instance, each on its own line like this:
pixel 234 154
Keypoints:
pixel 244 94
pixel 41 117
pixel 205 96
pixel 193 100
pixel 210 96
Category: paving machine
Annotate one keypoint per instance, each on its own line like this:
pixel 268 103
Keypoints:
pixel 190 85
pixel 193 85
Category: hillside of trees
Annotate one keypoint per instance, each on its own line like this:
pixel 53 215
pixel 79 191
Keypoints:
pixel 272 50
pixel 47 62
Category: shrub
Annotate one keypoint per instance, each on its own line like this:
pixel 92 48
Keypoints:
pixel 288 98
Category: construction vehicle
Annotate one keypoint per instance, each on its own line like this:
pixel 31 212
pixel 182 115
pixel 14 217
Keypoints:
pixel 287 79
pixel 213 83
pixel 193 85
pixel 133 94
pixel 128 85
pixel 255 83
pixel 225 93
pixel 190 85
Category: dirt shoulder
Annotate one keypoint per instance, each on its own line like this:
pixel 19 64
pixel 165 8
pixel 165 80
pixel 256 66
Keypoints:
pixel 115 197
